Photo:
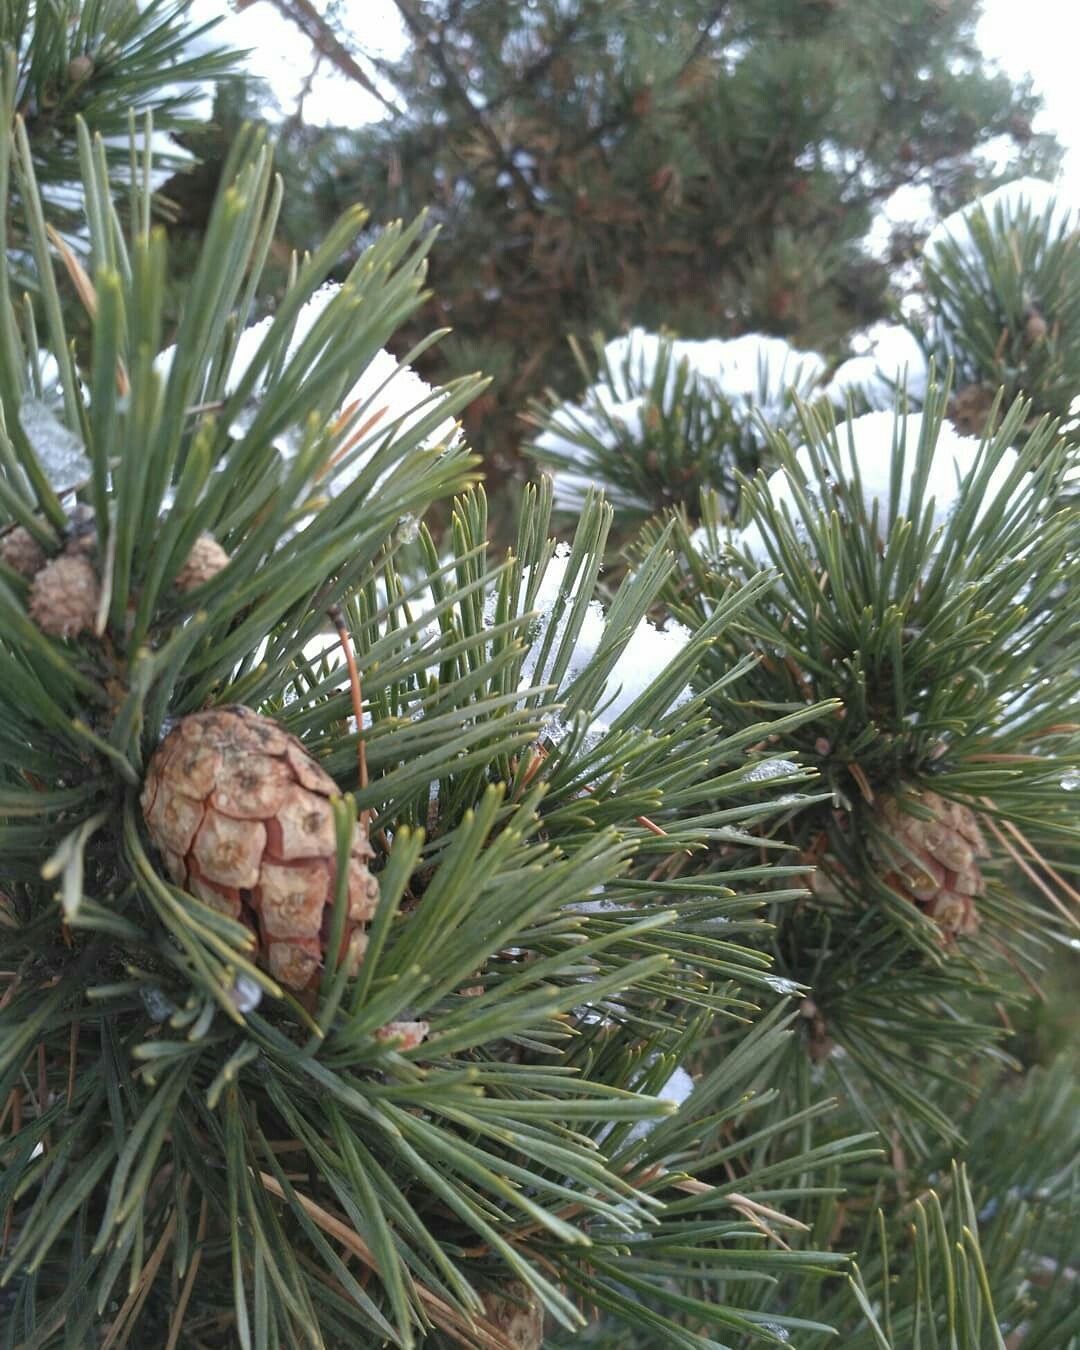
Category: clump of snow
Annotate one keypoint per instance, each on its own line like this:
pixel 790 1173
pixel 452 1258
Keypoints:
pixel 641 663
pixel 545 602
pixel 749 371
pixel 677 1089
pixel 245 995
pixel 895 360
pixel 1033 197
pixel 599 424
pixel 738 376
pixel 780 984
pixel 59 451
pixel 159 1007
pixel 168 157
pixel 386 397
pixel 766 769
pixel 867 442
pixel 600 903
pixel 647 654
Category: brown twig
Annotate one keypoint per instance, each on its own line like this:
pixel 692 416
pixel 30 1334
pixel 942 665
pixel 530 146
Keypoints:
pixel 176 1326
pixel 118 1334
pixel 337 618
pixel 411 12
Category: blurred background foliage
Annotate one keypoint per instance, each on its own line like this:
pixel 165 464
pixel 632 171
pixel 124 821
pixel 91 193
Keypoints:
pixel 710 167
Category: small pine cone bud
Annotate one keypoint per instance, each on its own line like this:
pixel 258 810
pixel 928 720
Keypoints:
pixel 205 560
pixel 954 912
pixel 64 597
pixel 517 1315
pixel 1035 327
pixel 22 552
pixel 969 408
pixel 933 860
pixel 80 68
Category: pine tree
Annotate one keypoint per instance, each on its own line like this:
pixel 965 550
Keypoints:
pixel 921 577
pixel 407 941
pixel 708 167
pixel 461 1098
pixel 99 64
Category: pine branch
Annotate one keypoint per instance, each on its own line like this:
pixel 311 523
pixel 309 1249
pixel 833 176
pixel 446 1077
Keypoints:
pixel 433 47
pixel 326 42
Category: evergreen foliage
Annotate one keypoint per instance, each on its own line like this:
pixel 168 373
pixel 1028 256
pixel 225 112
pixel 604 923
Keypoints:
pixel 692 1010
pixel 1002 281
pixel 99 62
pixel 711 167
pixel 938 628
pixel 198 1146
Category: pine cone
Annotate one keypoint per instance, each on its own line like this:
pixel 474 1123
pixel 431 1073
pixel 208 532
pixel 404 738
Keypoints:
pixel 241 815
pixel 523 1326
pixel 80 68
pixel 205 560
pixel 22 552
pixel 64 597
pixel 970 407
pixel 934 862
pixel 1035 326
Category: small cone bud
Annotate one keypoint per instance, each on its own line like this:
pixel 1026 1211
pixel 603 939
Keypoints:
pixel 205 560
pixel 1035 327
pixel 80 68
pixel 933 862
pixel 970 407
pixel 64 597
pixel 22 552
pixel 517 1315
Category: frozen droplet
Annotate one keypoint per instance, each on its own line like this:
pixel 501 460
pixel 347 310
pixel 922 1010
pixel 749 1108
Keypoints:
pixel 59 451
pixel 408 529
pixel 734 835
pixel 1070 781
pixel 158 1005
pixel 245 994
pixel 780 984
pixel 770 768
pixel 776 1329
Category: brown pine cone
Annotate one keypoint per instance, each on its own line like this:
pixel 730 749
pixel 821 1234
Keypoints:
pixel 934 862
pixel 64 597
pixel 22 552
pixel 523 1326
pixel 205 560
pixel 240 812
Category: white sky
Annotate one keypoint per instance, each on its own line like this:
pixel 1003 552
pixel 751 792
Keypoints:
pixel 1037 37
pixel 1042 38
